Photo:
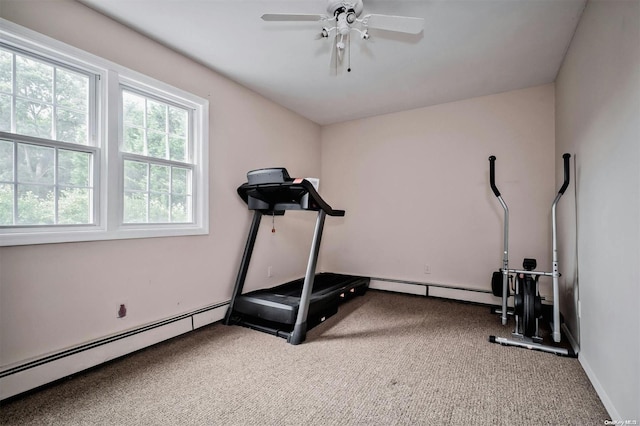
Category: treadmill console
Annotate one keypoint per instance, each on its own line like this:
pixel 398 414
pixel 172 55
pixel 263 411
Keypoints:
pixel 274 175
pixel 272 191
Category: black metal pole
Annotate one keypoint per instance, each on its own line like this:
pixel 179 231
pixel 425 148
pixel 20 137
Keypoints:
pixel 300 328
pixel 244 264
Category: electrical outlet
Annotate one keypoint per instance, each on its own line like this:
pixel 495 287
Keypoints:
pixel 427 268
pixel 269 272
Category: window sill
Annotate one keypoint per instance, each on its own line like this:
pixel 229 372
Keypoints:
pixel 93 233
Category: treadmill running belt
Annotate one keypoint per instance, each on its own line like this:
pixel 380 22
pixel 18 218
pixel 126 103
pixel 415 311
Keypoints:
pixel 280 304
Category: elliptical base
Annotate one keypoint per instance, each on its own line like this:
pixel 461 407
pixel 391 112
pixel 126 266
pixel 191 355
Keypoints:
pixel 530 344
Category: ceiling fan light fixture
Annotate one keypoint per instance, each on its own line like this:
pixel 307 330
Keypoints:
pixel 346 16
pixel 343 24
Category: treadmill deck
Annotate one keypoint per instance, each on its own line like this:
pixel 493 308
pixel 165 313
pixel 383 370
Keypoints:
pixel 277 308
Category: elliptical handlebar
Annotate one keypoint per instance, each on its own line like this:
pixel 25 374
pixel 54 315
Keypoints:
pixel 566 158
pixel 492 175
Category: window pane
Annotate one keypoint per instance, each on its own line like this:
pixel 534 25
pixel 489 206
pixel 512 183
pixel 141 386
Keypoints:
pixel 5 113
pixel 6 161
pixel 71 126
pixel 33 119
pixel 180 207
pixel 74 206
pixel 72 90
pixel 6 204
pixel 135 207
pixel 156 130
pixel 178 148
pixel 159 208
pixel 34 79
pixel 178 121
pixel 157 144
pixel 156 116
pixel 159 181
pixel 74 168
pixel 35 205
pixel 180 181
pixel 35 164
pixel 6 71
pixel 133 140
pixel 133 109
pixel 135 175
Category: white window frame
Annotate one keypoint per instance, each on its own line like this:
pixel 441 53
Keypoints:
pixel 108 181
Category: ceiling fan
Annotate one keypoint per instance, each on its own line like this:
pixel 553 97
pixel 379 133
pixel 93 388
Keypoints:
pixel 344 17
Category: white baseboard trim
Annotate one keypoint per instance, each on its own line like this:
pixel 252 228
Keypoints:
pixel 570 338
pixel 398 287
pixel 436 290
pixel 30 375
pixel 464 295
pixel 606 401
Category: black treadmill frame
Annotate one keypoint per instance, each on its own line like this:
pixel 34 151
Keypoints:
pixel 273 198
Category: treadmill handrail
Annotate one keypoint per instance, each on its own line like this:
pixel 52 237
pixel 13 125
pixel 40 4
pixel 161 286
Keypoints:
pixel 290 186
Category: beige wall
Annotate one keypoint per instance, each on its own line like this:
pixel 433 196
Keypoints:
pixel 598 120
pixel 59 295
pixel 415 186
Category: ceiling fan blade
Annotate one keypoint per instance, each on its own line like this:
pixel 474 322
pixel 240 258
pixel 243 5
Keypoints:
pixel 292 17
pixel 401 24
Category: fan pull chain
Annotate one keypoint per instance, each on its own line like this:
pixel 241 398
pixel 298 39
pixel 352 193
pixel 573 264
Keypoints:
pixel 273 222
pixel 349 58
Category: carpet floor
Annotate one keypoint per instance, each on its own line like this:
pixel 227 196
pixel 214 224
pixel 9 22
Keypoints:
pixel 384 359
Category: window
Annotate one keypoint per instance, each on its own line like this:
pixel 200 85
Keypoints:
pixel 90 150
pixel 46 178
pixel 157 160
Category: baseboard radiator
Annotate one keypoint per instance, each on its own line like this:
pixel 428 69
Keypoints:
pixel 26 376
pixel 435 290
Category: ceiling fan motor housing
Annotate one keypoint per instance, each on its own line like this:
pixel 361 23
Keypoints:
pixel 337 6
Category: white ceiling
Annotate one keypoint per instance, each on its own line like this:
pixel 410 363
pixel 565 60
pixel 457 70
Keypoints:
pixel 468 48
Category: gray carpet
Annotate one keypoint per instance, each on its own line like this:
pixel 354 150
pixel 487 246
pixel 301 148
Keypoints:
pixel 384 359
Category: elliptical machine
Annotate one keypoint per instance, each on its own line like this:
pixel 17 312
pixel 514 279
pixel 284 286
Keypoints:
pixel 526 297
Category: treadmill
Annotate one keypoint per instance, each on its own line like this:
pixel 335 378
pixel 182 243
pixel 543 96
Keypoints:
pixel 290 309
